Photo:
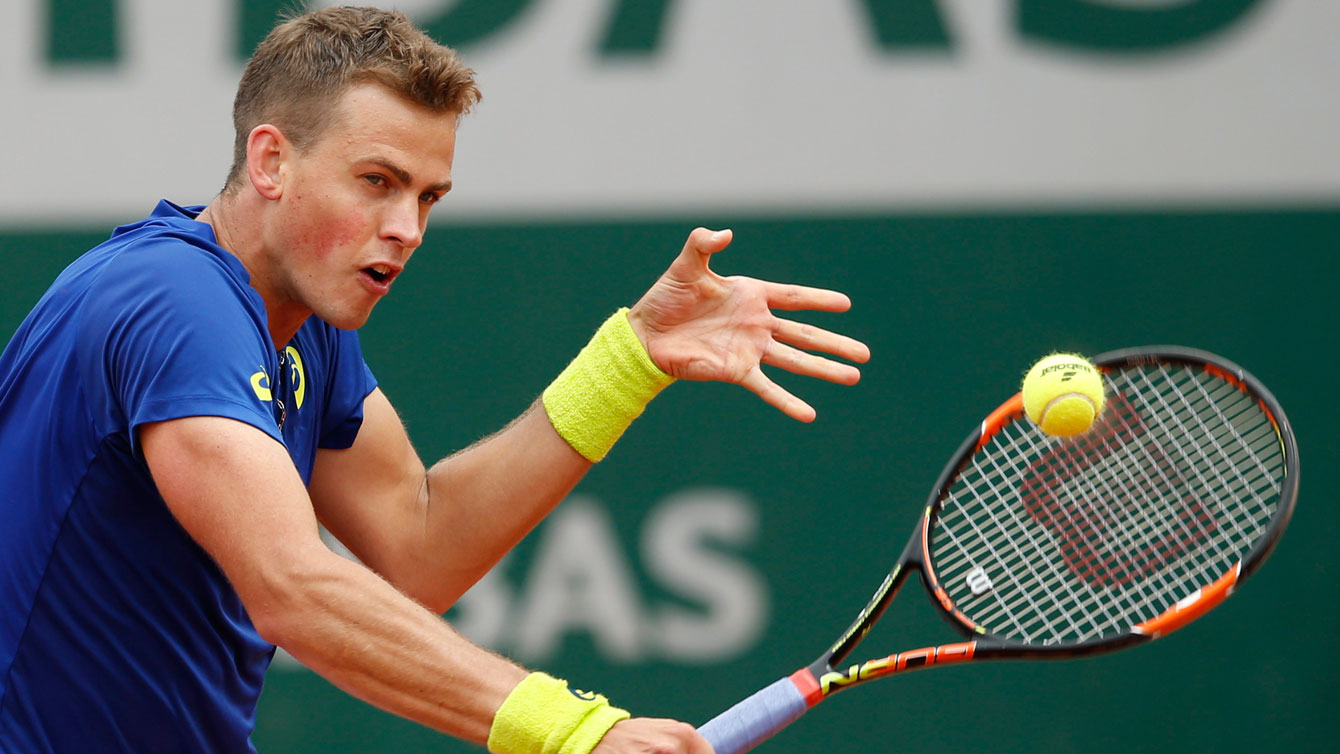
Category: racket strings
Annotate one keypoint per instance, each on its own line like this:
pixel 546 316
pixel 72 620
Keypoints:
pixel 1048 541
pixel 1043 570
pixel 1201 530
pixel 1195 529
pixel 1087 609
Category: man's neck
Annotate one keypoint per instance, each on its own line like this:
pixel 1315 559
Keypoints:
pixel 238 229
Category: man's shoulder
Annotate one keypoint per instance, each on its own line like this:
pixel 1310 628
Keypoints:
pixel 164 265
pixel 166 257
pixel 165 243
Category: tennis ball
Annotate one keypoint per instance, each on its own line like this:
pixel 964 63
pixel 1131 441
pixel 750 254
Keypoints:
pixel 1063 394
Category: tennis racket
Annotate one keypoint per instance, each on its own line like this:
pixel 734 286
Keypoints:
pixel 1037 547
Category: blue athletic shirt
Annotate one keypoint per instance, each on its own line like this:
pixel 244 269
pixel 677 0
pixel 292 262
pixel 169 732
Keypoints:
pixel 118 633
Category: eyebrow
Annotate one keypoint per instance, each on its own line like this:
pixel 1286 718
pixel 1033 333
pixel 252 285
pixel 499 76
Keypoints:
pixel 404 177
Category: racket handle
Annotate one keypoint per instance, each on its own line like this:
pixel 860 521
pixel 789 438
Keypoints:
pixel 756 718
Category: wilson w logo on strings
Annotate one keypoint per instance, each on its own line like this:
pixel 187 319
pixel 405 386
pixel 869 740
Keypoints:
pixel 1119 507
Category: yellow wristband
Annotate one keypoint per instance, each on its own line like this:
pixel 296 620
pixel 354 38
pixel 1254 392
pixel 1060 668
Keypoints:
pixel 604 389
pixel 543 716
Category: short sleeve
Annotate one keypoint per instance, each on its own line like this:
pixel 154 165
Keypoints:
pixel 169 331
pixel 351 382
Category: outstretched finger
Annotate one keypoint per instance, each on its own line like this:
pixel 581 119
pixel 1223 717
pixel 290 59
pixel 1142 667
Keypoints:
pixel 776 396
pixel 700 246
pixel 790 297
pixel 813 338
pixel 809 365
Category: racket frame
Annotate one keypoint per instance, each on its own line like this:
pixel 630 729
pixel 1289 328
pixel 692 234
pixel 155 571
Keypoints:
pixel 772 708
pixel 828 672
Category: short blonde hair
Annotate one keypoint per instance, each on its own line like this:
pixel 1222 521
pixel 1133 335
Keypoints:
pixel 304 65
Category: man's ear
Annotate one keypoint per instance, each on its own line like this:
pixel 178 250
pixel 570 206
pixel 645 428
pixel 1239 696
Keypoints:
pixel 267 149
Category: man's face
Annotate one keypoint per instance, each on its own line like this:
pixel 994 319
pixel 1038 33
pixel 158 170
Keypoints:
pixel 355 205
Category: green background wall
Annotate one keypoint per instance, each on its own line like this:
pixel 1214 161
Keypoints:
pixel 954 307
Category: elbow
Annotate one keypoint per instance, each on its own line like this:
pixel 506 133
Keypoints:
pixel 284 603
pixel 271 627
pixel 435 585
pixel 435 588
pixel 432 596
pixel 277 618
pixel 436 606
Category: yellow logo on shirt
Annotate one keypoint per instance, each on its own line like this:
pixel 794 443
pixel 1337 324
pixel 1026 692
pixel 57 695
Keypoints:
pixel 297 378
pixel 259 383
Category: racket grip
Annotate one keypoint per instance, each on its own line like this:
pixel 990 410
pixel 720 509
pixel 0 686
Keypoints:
pixel 756 718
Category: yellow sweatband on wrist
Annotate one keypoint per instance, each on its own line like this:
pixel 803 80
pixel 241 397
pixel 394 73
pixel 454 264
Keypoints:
pixel 543 716
pixel 604 389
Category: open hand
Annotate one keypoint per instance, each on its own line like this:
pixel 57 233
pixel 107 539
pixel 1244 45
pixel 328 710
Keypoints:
pixel 698 325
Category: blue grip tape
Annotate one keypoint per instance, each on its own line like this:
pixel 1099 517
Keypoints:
pixel 756 718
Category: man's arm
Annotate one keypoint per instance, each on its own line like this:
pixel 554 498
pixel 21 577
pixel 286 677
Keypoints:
pixel 434 533
pixel 235 491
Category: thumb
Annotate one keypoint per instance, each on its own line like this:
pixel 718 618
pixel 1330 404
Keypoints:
pixel 702 244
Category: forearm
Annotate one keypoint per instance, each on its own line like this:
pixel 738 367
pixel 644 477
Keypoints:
pixel 362 635
pixel 366 638
pixel 239 496
pixel 437 531
pixel 487 498
pixel 478 503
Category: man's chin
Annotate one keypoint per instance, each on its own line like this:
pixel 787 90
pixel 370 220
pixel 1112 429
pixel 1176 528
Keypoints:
pixel 345 320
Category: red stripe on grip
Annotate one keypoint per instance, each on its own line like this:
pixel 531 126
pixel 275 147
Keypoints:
pixel 808 686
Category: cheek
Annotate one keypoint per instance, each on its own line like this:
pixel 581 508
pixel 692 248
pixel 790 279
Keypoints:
pixel 347 230
pixel 327 232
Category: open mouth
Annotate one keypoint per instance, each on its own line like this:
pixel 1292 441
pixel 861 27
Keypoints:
pixel 379 273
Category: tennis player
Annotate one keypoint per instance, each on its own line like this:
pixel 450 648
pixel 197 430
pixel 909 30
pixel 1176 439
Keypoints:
pixel 188 400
